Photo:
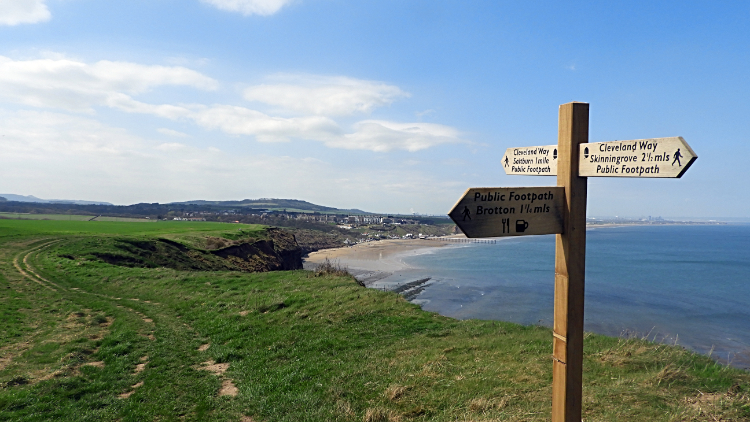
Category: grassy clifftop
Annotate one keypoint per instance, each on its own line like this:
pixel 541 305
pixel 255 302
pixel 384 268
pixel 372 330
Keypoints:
pixel 82 339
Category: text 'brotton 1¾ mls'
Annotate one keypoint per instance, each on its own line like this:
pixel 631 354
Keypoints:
pixel 496 212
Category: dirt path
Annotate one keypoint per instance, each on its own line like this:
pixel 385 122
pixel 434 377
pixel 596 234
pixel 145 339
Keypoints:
pixel 153 317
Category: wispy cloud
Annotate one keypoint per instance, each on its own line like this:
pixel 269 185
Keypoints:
pixel 249 7
pixel 14 12
pixel 313 102
pixel 383 136
pixel 324 95
pixel 78 86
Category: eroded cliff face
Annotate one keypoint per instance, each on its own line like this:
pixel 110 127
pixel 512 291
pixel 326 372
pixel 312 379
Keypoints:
pixel 279 252
pixel 276 250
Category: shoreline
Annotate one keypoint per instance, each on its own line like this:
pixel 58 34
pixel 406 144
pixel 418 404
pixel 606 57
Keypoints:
pixel 384 255
pixel 380 256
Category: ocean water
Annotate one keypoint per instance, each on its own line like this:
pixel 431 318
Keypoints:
pixel 684 284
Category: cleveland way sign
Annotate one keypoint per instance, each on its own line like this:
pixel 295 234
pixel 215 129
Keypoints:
pixel 531 161
pixel 654 157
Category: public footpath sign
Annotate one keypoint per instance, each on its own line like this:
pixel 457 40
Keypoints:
pixel 531 161
pixel 561 209
pixel 496 212
pixel 657 157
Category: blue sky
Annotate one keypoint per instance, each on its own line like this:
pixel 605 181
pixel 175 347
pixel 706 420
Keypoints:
pixel 387 106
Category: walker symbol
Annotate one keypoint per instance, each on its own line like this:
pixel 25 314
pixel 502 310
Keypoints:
pixel 677 157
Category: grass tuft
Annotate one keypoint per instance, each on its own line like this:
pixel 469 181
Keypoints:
pixel 395 392
pixel 381 414
pixel 329 268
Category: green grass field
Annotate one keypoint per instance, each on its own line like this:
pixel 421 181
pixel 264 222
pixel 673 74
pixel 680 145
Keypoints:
pixel 70 217
pixel 81 340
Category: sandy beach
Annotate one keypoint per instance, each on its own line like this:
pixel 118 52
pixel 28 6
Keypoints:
pixel 383 255
pixel 374 261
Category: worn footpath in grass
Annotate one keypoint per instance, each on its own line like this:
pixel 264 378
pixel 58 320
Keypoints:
pixel 85 340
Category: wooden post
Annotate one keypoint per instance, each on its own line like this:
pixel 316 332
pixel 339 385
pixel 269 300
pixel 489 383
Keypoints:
pixel 570 268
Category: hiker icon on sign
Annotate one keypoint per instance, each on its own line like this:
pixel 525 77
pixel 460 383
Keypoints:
pixel 466 213
pixel 677 157
pixel 506 161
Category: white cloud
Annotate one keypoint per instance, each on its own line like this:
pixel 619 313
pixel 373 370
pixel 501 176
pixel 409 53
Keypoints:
pixel 14 12
pixel 327 96
pixel 75 85
pixel 58 82
pixel 243 121
pixel 372 135
pixel 381 136
pixel 249 7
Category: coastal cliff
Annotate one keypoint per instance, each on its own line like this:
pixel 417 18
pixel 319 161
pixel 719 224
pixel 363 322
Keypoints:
pixel 277 253
pixel 272 250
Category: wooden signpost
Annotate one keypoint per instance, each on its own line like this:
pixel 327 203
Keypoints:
pixel 492 212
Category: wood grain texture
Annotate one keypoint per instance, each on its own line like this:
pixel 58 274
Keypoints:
pixel 497 212
pixel 570 263
pixel 654 157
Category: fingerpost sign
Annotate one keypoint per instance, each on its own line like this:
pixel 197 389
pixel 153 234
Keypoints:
pixel 561 210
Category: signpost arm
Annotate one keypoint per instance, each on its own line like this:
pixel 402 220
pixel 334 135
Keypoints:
pixel 570 263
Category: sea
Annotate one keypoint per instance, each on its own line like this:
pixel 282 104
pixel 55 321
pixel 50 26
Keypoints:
pixel 687 285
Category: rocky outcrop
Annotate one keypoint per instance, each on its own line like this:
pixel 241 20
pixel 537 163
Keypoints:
pixel 279 252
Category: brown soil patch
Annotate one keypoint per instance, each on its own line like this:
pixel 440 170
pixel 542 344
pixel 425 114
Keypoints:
pixel 144 358
pixel 228 389
pixel 148 320
pixel 151 337
pixel 215 368
pixel 247 419
pixel 139 368
pixel 97 364
pixel 7 356
pixel 204 347
pixel 244 313
pixel 704 401
pixel 130 393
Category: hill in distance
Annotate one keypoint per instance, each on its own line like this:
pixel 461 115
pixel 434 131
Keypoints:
pixel 274 204
pixel 32 198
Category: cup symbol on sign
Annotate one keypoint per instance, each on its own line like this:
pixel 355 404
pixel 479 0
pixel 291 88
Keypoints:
pixel 521 226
